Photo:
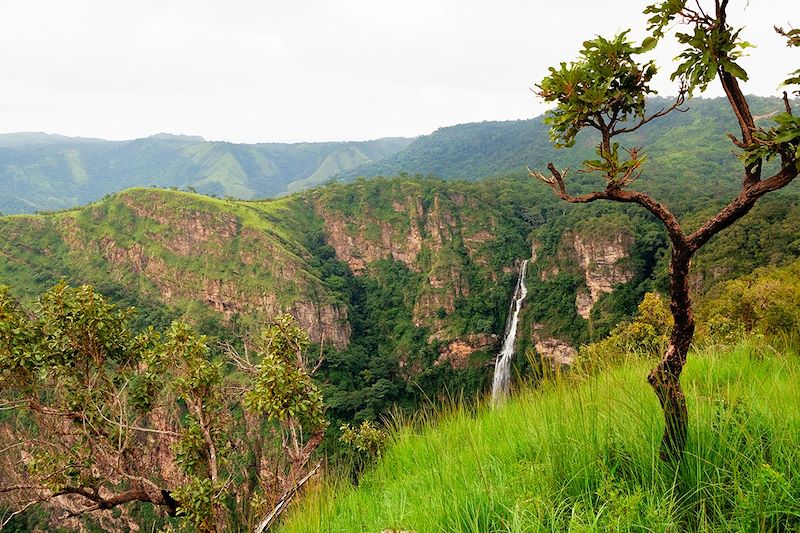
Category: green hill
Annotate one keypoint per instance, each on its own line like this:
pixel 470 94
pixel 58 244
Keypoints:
pixel 690 147
pixel 49 172
pixel 581 455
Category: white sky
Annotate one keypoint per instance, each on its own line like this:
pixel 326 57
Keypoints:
pixel 311 70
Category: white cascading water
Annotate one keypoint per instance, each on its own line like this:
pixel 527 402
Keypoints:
pixel 501 385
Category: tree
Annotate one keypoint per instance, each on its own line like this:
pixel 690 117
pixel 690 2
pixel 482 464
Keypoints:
pixel 605 91
pixel 96 415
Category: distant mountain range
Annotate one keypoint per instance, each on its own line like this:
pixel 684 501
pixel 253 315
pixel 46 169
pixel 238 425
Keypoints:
pixel 49 172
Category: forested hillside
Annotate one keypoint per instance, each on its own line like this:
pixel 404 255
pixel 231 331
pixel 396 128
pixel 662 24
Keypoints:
pixel 47 172
pixel 404 281
pixel 690 145
pixel 403 284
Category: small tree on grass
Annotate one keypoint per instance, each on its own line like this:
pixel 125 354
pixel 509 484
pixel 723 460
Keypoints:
pixel 605 91
pixel 94 415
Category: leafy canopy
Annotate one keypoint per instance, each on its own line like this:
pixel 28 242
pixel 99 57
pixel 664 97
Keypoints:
pixel 606 85
pixel 605 89
pixel 111 416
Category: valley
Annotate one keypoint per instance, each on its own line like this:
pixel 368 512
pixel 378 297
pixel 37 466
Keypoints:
pixel 583 317
pixel 403 284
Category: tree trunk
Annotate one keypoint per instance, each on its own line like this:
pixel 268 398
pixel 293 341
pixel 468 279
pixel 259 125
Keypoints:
pixel 665 377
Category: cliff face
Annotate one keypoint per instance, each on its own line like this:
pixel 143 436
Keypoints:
pixel 436 239
pixel 604 262
pixel 596 258
pixel 448 237
pixel 601 259
pixel 457 353
pixel 361 242
pixel 554 350
pixel 184 250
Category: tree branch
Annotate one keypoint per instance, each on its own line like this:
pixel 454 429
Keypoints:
pixel 678 102
pixel 284 501
pixel 19 511
pixel 740 206
pixel 613 192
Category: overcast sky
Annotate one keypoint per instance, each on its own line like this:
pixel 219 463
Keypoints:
pixel 311 70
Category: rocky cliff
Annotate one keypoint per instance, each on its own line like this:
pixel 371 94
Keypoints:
pixel 444 235
pixel 591 259
pixel 604 261
pixel 186 251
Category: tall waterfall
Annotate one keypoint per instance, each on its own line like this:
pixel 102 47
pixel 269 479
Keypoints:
pixel 501 385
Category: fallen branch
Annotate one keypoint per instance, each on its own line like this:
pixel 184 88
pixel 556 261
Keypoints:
pixel 265 524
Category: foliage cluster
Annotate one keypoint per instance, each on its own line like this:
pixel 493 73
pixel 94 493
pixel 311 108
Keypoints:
pixel 765 302
pixel 109 415
pixel 365 443
pixel 646 335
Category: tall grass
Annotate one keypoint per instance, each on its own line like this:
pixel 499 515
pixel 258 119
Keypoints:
pixel 581 455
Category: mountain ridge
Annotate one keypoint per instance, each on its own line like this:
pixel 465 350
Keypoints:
pixel 57 172
pixel 44 172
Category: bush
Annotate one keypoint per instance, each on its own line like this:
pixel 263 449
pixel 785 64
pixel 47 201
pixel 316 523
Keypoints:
pixel 647 335
pixel 766 302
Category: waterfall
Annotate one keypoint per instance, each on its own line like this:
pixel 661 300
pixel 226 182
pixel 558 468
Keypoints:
pixel 501 385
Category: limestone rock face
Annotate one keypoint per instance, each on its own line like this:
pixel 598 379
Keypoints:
pixel 324 323
pixel 457 353
pixel 359 244
pixel 556 351
pixel 436 228
pixel 584 303
pixel 603 260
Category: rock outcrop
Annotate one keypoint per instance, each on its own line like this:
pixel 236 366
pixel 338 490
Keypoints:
pixel 458 352
pixel 603 259
pixel 556 351
pixel 361 242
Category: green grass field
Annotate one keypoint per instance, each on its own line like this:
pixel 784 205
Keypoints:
pixel 580 454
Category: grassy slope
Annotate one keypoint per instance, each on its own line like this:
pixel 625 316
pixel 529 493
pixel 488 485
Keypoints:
pixel 584 459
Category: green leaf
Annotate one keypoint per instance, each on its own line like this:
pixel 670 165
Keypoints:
pixel 787 136
pixel 648 44
pixel 734 69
